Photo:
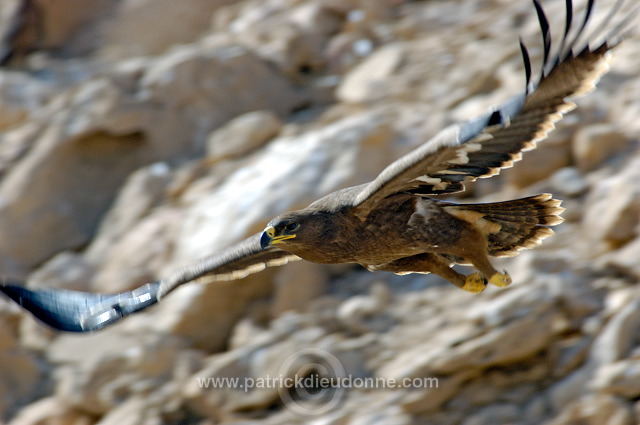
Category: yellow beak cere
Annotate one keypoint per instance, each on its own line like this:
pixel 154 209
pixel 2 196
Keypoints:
pixel 269 237
pixel 270 231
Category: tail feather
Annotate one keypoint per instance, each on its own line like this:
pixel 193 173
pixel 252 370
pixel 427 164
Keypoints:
pixel 512 225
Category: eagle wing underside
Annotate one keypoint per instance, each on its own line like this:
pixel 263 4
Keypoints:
pixel 77 311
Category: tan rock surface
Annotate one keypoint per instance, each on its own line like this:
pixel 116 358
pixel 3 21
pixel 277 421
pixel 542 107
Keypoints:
pixel 139 140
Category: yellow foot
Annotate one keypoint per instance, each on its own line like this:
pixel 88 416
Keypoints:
pixel 475 283
pixel 501 279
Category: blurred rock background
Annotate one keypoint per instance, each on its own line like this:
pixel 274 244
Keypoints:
pixel 137 136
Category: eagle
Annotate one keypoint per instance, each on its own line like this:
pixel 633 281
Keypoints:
pixel 394 223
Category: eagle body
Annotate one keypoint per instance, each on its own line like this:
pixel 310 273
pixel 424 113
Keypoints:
pixel 344 237
pixel 403 225
pixel 394 223
pixel 409 233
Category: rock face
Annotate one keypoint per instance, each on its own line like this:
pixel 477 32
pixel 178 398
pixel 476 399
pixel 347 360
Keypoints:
pixel 138 136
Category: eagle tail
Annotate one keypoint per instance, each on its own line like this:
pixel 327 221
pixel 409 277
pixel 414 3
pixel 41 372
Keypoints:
pixel 512 225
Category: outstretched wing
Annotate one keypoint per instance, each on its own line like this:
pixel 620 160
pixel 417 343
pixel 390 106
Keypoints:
pixel 483 146
pixel 76 311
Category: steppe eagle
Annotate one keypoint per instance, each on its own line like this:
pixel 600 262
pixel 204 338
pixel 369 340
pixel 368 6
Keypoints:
pixel 392 223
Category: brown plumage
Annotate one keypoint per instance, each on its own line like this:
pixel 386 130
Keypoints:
pixel 391 223
pixel 513 225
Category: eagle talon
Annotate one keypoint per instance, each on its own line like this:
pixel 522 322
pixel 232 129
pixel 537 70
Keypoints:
pixel 501 280
pixel 475 283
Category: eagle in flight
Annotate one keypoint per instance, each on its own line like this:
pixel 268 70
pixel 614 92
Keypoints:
pixel 392 223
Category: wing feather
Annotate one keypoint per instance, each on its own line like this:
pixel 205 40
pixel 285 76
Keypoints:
pixel 76 311
pixel 483 146
pixel 236 262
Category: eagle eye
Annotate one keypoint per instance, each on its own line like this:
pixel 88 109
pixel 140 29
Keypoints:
pixel 291 227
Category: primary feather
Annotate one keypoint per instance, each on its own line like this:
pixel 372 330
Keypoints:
pixel 483 146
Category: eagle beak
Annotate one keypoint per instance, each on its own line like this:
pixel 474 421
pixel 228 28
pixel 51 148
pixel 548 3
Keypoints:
pixel 269 237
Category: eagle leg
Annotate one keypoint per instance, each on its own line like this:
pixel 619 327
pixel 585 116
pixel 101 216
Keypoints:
pixel 481 262
pixel 434 263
